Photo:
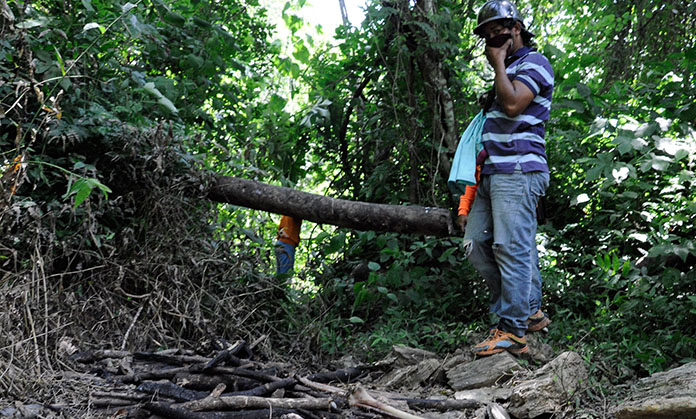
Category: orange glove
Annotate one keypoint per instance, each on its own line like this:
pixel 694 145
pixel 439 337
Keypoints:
pixel 467 200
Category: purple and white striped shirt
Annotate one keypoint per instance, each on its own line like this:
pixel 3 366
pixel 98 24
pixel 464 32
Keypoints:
pixel 517 144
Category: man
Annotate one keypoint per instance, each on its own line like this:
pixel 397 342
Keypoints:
pixel 288 238
pixel 502 223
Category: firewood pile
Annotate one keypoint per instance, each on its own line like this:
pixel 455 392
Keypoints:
pixel 230 384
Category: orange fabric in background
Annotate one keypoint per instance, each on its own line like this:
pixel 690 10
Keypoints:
pixel 467 200
pixel 289 230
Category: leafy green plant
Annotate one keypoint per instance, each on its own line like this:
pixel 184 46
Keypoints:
pixel 400 289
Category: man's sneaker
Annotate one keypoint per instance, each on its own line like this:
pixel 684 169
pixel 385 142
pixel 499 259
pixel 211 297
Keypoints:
pixel 499 341
pixel 537 321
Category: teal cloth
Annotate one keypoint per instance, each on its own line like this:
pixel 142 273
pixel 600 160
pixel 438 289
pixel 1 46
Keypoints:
pixel 463 170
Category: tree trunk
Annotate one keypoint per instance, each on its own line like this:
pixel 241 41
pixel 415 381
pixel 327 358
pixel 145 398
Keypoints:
pixel 339 212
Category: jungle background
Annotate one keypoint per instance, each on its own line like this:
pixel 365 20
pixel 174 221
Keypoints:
pixel 115 118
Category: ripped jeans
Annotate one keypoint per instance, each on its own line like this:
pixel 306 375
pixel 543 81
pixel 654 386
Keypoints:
pixel 502 227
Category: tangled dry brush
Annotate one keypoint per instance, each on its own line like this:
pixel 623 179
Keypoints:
pixel 139 268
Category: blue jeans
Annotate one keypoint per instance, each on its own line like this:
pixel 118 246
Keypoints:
pixel 502 227
pixel 285 257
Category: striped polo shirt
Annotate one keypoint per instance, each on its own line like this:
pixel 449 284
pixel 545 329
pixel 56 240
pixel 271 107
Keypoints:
pixel 517 144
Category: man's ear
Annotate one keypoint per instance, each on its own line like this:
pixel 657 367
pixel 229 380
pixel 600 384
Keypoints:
pixel 517 29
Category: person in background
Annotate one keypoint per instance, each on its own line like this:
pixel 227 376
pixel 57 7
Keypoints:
pixel 288 238
pixel 502 222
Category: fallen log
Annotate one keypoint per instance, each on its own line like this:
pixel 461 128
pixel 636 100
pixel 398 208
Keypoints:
pixel 319 209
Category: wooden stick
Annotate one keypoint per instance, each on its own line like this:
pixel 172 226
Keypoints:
pixel 138 377
pixel 218 390
pixel 128 332
pixel 112 402
pixel 322 387
pixel 119 395
pixel 441 405
pixel 170 390
pixel 91 356
pixel 170 359
pixel 210 381
pixel 361 398
pixel 254 402
pixel 496 411
pixel 167 411
pixel 221 357
pixel 37 356
pixel 244 372
pixel 344 376
pixel 266 388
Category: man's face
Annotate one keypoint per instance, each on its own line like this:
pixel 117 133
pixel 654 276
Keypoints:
pixel 492 29
pixel 498 36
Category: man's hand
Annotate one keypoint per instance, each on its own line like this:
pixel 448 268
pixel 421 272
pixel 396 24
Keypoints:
pixel 461 221
pixel 513 96
pixel 496 56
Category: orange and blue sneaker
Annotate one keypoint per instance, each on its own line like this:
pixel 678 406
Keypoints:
pixel 537 321
pixel 499 341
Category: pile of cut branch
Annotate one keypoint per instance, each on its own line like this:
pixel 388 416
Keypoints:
pixel 181 384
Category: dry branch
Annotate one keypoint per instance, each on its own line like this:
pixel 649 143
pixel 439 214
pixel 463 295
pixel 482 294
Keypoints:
pixel 178 392
pixel 91 356
pixel 244 372
pixel 170 359
pixel 167 411
pixel 223 356
pixel 139 377
pixel 322 387
pixel 441 405
pixel 210 381
pixel 325 210
pixel 361 398
pixel 106 402
pixel 170 390
pixel 266 388
pixel 344 376
pixel 254 402
pixel 118 395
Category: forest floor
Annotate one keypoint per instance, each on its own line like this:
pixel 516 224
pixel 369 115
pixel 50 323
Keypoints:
pixel 229 380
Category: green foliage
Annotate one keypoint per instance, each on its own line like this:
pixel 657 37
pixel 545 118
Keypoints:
pixel 379 133
pixel 392 289
pixel 622 156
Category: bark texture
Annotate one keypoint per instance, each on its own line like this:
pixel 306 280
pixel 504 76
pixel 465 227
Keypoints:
pixel 339 212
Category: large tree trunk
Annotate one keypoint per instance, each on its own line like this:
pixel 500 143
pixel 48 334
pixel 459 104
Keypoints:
pixel 339 212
